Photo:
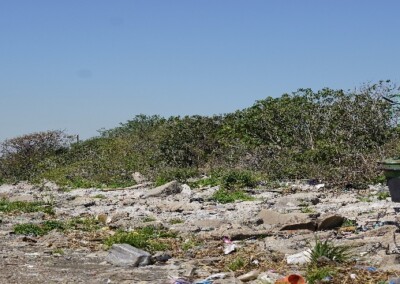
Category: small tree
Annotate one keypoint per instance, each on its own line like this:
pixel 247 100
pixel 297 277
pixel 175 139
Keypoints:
pixel 21 157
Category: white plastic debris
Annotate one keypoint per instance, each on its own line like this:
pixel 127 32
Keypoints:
pixel 319 186
pixel 299 258
pixel 216 276
pixel 252 275
pixel 229 248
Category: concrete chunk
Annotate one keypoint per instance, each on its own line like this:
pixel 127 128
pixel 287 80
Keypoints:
pixel 127 255
pixel 290 221
pixel 170 188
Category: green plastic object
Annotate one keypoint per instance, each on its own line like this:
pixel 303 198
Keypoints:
pixel 391 167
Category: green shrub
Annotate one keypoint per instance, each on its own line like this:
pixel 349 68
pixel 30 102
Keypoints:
pixel 329 135
pixel 21 158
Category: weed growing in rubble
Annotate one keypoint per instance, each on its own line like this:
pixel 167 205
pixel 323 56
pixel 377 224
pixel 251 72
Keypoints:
pixel 88 224
pixel 329 250
pixel 365 199
pixel 58 251
pixel 227 196
pixel 307 209
pixel 349 223
pixel 174 221
pixel 29 229
pixel 82 224
pixel 149 238
pixel 315 274
pixel 237 264
pixel 190 243
pixel 25 207
pixel 38 229
pixel 383 195
pixel 317 271
pixel 100 196
pixel 148 219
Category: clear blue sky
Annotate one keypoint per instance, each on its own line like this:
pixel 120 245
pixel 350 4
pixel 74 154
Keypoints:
pixel 81 65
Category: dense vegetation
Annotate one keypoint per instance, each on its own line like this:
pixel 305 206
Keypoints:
pixel 329 135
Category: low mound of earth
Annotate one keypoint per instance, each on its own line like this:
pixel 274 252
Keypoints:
pixel 257 236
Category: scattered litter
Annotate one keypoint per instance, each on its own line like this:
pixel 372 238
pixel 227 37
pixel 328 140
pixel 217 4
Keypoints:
pixel 269 277
pixel 353 276
pixel 127 255
pixel 292 279
pixel 180 281
pixel 32 254
pixel 394 281
pixel 252 275
pixel 367 268
pixel 319 186
pixel 327 279
pixel 229 248
pixel 299 258
pixel 216 276
pixel 204 282
pixel 227 240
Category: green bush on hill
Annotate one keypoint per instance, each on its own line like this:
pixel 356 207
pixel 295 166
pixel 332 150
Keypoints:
pixel 331 135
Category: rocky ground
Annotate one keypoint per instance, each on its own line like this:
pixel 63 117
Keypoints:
pixel 261 236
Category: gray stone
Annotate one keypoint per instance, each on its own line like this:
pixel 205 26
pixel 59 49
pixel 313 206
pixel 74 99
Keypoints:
pixel 170 188
pixel 161 257
pixel 186 190
pixel 127 255
pixel 138 177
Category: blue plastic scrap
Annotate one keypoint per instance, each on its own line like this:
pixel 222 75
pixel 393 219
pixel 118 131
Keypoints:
pixel 181 281
pixel 204 282
pixel 367 268
pixel 394 281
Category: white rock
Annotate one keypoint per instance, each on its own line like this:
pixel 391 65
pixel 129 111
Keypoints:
pixel 299 258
